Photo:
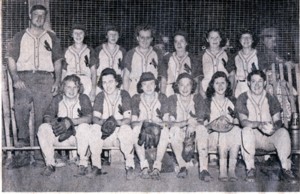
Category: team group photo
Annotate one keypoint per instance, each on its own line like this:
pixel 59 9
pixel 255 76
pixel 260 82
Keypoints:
pixel 150 96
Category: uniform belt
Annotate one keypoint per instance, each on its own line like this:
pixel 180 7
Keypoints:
pixel 38 72
pixel 241 80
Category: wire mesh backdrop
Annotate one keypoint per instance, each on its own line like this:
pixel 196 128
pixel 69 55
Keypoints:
pixel 167 16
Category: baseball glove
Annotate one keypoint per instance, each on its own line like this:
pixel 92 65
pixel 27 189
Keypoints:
pixel 149 135
pixel 63 127
pixel 108 127
pixel 188 146
pixel 221 125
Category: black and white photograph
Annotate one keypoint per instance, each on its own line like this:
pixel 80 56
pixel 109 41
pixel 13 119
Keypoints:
pixel 150 95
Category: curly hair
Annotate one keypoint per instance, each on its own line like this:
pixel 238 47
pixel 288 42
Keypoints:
pixel 74 78
pixel 221 33
pixel 140 90
pixel 109 71
pixel 256 72
pixel 181 76
pixel 144 27
pixel 210 92
pixel 247 31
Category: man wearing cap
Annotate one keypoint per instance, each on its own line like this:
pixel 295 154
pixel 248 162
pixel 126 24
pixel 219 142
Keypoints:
pixel 143 58
pixel 268 42
pixel 34 63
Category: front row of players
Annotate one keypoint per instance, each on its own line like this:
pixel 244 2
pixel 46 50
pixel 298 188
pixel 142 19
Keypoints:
pixel 255 117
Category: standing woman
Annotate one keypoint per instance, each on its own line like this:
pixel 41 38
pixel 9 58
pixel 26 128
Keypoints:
pixel 214 58
pixel 79 60
pixel 246 60
pixel 110 54
pixel 180 61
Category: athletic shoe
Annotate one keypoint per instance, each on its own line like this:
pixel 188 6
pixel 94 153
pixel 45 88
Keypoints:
pixel 145 174
pixel 183 172
pixel 130 173
pixel 48 170
pixel 251 175
pixel 289 176
pixel 205 176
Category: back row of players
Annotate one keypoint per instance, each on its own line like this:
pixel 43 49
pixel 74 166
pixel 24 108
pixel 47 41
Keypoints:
pixel 176 84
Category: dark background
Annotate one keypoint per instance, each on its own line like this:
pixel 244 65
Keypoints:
pixel 167 16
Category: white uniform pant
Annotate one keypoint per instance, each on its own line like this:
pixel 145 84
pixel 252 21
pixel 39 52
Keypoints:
pixel 161 148
pixel 48 141
pixel 122 137
pixel 253 139
pixel 205 142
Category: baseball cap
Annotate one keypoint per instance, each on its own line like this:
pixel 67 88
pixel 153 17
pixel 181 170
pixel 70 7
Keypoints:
pixel 38 7
pixel 147 76
pixel 270 32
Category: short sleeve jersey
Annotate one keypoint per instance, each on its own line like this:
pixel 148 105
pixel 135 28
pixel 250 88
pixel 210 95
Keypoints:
pixel 59 107
pixel 145 111
pixel 261 111
pixel 33 53
pixel 181 113
pixel 245 64
pixel 109 59
pixel 137 63
pixel 175 66
pixel 79 63
pixel 212 63
pixel 215 110
pixel 119 108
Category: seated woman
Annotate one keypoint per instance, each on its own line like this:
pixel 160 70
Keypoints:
pixel 112 101
pixel 221 105
pixel 72 104
pixel 150 106
pixel 187 112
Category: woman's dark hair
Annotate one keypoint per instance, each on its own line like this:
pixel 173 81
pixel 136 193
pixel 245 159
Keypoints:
pixel 247 31
pixel 210 92
pixel 181 76
pixel 140 90
pixel 256 72
pixel 74 78
pixel 144 27
pixel 79 26
pixel 109 71
pixel 221 33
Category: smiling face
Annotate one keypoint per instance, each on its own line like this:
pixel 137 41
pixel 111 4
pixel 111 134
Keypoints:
pixel 148 87
pixel 214 39
pixel 38 18
pixel 185 86
pixel 144 39
pixel 112 36
pixel 180 43
pixel 109 84
pixel 78 35
pixel 257 84
pixel 71 90
pixel 220 86
pixel 246 40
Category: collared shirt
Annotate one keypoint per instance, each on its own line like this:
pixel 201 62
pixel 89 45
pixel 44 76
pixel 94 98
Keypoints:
pixel 137 63
pixel 149 112
pixel 79 63
pixel 179 112
pixel 59 107
pixel 33 53
pixel 245 64
pixel 109 59
pixel 119 108
pixel 175 66
pixel 263 110
pixel 212 63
